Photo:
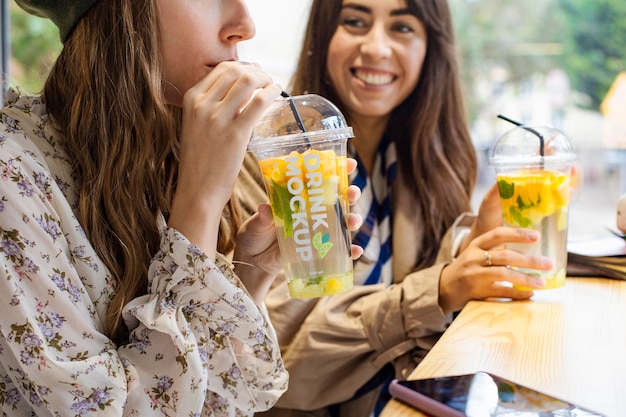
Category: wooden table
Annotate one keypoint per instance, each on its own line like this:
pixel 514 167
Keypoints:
pixel 568 342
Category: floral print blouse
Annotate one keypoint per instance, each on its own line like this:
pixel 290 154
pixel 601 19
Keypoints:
pixel 199 345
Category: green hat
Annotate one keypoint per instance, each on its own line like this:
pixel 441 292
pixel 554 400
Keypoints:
pixel 63 13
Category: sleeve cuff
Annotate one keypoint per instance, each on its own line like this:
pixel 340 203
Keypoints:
pixel 460 230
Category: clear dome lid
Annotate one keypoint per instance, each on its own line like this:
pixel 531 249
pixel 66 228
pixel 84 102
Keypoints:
pixel 526 146
pixel 304 119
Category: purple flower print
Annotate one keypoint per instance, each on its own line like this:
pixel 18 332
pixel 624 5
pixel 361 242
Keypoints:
pixel 194 250
pixel 79 252
pixel 240 307
pixel 25 187
pixel 30 266
pixel 12 396
pixel 56 319
pixel 46 330
pixel 81 407
pixel 74 292
pixel 142 345
pixel 168 304
pixel 41 181
pixel 100 396
pixel 50 227
pixel 9 121
pixel 235 373
pixel 259 336
pixel 227 329
pixel 26 358
pixel 164 383
pixel 35 400
pixel 58 280
pixel 10 248
pixel 204 357
pixel 208 308
pixel 31 340
pixel 211 347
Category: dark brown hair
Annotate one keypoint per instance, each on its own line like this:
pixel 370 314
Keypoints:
pixel 105 94
pixel 435 152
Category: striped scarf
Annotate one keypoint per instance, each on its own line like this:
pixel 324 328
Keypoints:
pixel 375 206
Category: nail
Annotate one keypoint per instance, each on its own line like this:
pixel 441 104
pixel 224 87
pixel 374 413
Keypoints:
pixel 533 235
pixel 547 263
pixel 538 281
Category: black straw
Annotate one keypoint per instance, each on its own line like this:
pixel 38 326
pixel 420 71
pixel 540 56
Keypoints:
pixel 531 130
pixel 294 110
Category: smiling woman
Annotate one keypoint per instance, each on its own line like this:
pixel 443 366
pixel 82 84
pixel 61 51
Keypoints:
pixel 374 59
pixel 505 68
pixel 390 66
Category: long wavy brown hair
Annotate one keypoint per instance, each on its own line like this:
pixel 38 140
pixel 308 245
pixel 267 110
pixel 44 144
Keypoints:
pixel 435 152
pixel 105 94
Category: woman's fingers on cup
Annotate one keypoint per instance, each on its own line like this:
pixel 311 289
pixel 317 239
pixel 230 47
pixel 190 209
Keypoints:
pixel 354 221
pixel 511 258
pixel 351 165
pixel 522 279
pixel 503 267
pixel 356 252
pixel 500 236
pixel 354 194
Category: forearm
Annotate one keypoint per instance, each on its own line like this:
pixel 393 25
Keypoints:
pixel 198 221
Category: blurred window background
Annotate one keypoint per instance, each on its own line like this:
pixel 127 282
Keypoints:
pixel 551 62
pixel 542 62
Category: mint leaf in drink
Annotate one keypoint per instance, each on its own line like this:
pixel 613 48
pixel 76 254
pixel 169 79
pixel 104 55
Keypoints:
pixel 280 206
pixel 506 189
pixel 522 205
pixel 519 219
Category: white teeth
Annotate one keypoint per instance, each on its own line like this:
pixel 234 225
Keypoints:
pixel 374 79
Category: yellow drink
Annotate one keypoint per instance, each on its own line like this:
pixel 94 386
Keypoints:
pixel 539 199
pixel 308 195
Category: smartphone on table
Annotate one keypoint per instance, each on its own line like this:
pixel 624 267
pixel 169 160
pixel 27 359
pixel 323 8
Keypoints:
pixel 481 394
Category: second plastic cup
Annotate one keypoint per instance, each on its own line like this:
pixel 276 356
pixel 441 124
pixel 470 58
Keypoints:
pixel 533 168
pixel 301 144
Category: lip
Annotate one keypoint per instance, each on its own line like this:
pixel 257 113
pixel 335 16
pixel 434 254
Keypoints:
pixel 371 77
pixel 219 61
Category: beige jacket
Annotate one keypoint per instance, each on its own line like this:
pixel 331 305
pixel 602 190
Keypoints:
pixel 333 345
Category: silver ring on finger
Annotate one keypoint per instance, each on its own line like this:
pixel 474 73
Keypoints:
pixel 488 260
